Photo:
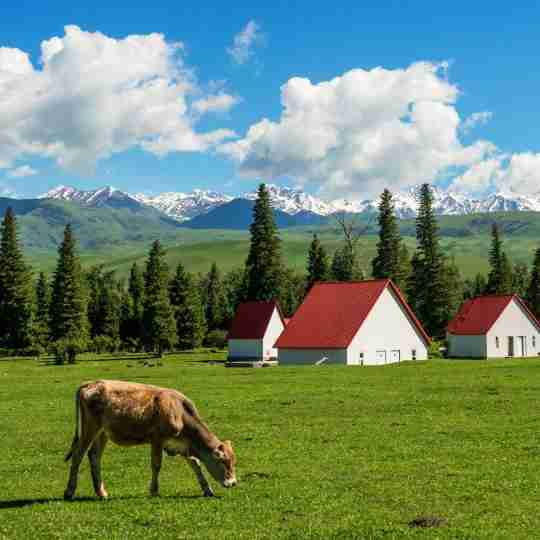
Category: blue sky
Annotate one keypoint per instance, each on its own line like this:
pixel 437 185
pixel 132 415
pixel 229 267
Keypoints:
pixel 490 50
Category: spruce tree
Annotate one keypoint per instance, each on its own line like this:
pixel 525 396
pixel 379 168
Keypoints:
pixel 430 295
pixel 188 309
pixel 500 275
pixel 520 279
pixel 533 291
pixel 455 287
pixel 40 324
pixel 214 299
pixel 404 269
pixel 68 316
pixel 235 287
pixel 158 319
pixel 317 267
pixel 136 303
pixel 386 263
pixel 263 264
pixel 15 288
pixel 345 266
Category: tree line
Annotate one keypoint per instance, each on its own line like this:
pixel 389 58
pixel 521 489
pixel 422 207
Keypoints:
pixel 156 309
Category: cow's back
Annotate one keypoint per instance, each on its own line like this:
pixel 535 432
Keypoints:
pixel 133 413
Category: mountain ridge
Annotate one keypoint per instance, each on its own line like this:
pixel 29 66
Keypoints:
pixel 184 207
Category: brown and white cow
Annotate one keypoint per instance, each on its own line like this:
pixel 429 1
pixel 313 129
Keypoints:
pixel 131 414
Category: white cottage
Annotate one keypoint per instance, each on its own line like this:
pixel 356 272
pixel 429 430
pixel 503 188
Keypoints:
pixel 495 326
pixel 356 323
pixel 253 332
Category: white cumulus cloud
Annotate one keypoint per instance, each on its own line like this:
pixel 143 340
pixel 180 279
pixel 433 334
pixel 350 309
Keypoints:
pixel 21 172
pixel 94 96
pixel 361 132
pixel 242 48
pixel 215 103
pixel 475 119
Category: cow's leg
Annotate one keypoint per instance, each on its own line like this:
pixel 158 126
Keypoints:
pixel 203 482
pixel 94 456
pixel 157 455
pixel 87 437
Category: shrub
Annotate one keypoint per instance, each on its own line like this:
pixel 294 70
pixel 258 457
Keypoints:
pixel 435 349
pixel 217 339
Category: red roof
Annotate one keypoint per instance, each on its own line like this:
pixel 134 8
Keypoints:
pixel 251 320
pixel 333 312
pixel 478 315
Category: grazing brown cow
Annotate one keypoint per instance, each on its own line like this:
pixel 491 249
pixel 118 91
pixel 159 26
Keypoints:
pixel 131 414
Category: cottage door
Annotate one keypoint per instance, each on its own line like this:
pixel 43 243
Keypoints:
pixel 522 346
pixel 395 356
pixel 510 345
pixel 381 357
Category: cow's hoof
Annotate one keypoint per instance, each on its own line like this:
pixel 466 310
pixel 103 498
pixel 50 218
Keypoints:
pixel 102 495
pixel 68 495
pixel 208 493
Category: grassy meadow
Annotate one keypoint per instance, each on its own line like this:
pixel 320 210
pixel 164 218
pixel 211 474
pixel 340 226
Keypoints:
pixel 323 453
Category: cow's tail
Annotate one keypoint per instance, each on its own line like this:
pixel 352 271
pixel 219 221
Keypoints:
pixel 77 425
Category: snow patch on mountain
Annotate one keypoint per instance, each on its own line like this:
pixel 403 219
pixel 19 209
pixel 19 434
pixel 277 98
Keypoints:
pixel 184 206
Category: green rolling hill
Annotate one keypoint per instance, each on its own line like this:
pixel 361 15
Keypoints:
pixel 116 237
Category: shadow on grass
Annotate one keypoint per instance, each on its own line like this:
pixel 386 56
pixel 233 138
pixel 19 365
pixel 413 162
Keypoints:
pixel 22 503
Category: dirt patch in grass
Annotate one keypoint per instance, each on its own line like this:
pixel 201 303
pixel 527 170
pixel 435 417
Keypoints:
pixel 426 522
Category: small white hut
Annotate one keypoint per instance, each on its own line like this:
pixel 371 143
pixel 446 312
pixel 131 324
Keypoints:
pixel 495 326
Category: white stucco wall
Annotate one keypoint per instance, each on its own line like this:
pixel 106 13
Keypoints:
pixel 311 356
pixel 467 346
pixel 273 331
pixel 513 322
pixel 387 328
pixel 260 349
pixel 245 348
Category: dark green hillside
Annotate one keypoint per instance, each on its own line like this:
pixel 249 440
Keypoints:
pixel 42 222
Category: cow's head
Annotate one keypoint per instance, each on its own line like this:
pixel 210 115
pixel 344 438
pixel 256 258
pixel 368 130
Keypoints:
pixel 221 464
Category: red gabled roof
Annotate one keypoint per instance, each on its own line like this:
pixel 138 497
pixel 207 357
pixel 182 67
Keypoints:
pixel 478 315
pixel 333 312
pixel 251 320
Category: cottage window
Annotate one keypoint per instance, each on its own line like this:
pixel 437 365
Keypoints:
pixel 414 354
pixel 534 342
pixel 497 342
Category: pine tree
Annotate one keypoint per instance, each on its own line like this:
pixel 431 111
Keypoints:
pixel 500 275
pixel 429 295
pixel 214 299
pixel 474 287
pixel 533 291
pixel 317 267
pixel 158 319
pixel 235 287
pixel 40 324
pixel 455 287
pixel 134 307
pixel 263 264
pixel 68 316
pixel 520 279
pixel 188 310
pixel 345 266
pixel 386 263
pixel 104 304
pixel 293 291
pixel 15 288
pixel 404 269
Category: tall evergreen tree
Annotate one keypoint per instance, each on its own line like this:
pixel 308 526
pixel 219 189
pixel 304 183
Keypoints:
pixel 263 264
pixel 455 286
pixel 317 266
pixel 158 319
pixel 40 324
pixel 474 287
pixel 293 291
pixel 404 268
pixel 235 286
pixel 520 279
pixel 103 304
pixel 500 275
pixel 386 263
pixel 188 309
pixel 133 306
pixel 430 293
pixel 533 291
pixel 68 315
pixel 15 288
pixel 214 299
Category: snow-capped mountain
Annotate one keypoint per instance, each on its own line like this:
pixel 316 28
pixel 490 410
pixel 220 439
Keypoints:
pixel 292 201
pixel 105 196
pixel 185 206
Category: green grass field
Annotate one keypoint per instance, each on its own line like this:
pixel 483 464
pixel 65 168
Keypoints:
pixel 329 452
